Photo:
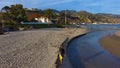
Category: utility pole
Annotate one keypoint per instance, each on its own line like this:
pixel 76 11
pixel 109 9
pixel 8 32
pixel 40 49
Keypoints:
pixel 65 17
pixel 2 24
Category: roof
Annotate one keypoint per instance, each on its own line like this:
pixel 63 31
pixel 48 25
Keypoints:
pixel 35 15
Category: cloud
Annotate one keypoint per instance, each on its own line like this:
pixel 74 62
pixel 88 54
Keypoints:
pixel 56 2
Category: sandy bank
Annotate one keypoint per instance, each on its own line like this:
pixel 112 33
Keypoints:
pixel 33 49
pixel 112 43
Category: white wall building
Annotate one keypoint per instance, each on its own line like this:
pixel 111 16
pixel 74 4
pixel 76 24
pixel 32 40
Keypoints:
pixel 43 20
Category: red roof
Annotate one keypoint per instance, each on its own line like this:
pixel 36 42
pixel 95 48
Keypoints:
pixel 35 15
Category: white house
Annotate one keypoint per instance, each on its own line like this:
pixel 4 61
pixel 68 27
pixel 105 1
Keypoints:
pixel 43 20
pixel 39 18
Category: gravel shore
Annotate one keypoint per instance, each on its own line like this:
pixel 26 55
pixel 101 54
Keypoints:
pixel 35 48
pixel 112 43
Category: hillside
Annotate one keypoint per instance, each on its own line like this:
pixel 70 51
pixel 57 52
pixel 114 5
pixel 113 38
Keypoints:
pixel 73 16
pixel 17 13
pixel 87 17
pixel 112 18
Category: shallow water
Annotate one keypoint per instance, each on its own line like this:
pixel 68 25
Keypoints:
pixel 86 52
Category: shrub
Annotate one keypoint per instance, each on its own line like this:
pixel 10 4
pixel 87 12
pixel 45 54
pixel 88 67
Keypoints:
pixel 37 26
pixel 1 31
pixel 11 26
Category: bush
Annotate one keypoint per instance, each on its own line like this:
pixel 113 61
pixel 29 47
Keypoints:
pixel 37 26
pixel 14 27
pixel 1 31
pixel 11 26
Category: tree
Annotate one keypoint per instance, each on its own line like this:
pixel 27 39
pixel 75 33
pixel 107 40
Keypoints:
pixel 17 13
pixel 5 9
pixel 48 13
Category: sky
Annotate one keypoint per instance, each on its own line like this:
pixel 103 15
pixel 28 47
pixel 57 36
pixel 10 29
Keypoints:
pixel 94 6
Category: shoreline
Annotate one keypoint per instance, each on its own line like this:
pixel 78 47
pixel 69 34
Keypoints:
pixel 112 43
pixel 37 48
